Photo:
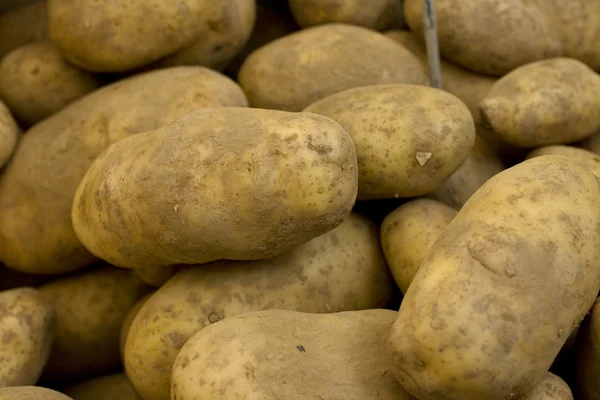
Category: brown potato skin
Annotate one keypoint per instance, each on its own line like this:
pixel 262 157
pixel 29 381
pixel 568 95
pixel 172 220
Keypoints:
pixel 590 160
pixel 36 81
pixel 587 386
pixel 38 186
pixel 31 393
pixel 296 70
pixel 23 25
pixel 9 134
pixel 289 355
pixel 341 270
pixel 107 387
pixel 503 286
pixel 551 387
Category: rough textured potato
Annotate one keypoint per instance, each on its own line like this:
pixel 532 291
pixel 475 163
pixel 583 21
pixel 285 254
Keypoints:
pixel 36 81
pixel 551 387
pixel 23 25
pixel 588 357
pixel 155 276
pixel 38 186
pixel 128 320
pixel 90 308
pixel 108 387
pixel 341 270
pixel 30 393
pixel 590 160
pixel 548 102
pixel 289 355
pixel 377 14
pixel 407 234
pixel 491 37
pixel 222 183
pixel 503 286
pixel 27 326
pixel 408 138
pixel 9 134
pixel 296 70
pixel 481 164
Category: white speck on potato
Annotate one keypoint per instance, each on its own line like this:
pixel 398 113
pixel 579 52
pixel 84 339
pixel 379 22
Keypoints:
pixel 422 157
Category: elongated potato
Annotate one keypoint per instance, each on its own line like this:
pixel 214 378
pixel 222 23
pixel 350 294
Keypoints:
pixel 23 25
pixel 9 134
pixel 107 387
pixel 407 234
pixel 551 387
pixel 289 355
pixel 222 183
pixel 128 320
pixel 36 81
pixel 590 160
pixel 503 286
pixel 554 101
pixel 37 188
pixel 90 308
pixel 588 356
pixel 296 70
pixel 27 324
pixel 30 393
pixel 344 269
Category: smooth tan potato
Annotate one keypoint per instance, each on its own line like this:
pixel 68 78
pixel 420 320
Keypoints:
pixel 341 270
pixel 155 276
pixel 503 286
pixel 376 14
pixel 407 234
pixel 480 165
pixel 36 81
pixel 27 324
pixel 37 188
pixel 90 308
pixel 9 134
pixel 590 160
pixel 551 387
pixel 107 387
pixel 408 138
pixel 23 25
pixel 554 101
pixel 30 393
pixel 289 355
pixel 491 37
pixel 296 70
pixel 221 183
pixel 587 385
pixel 128 320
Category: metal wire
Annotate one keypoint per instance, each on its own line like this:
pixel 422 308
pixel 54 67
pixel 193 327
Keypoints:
pixel 431 41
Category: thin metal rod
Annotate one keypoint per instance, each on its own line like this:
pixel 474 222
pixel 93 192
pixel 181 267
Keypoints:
pixel 431 41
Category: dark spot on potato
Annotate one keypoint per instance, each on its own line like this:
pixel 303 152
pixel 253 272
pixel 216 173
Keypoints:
pixel 178 339
pixel 301 349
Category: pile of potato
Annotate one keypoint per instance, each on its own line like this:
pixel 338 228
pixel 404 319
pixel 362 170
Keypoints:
pixel 266 200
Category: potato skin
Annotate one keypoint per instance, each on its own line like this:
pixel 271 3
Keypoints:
pixel 481 306
pixel 113 387
pixel 590 160
pixel 225 183
pixel 128 320
pixel 551 387
pixel 90 308
pixel 9 134
pixel 36 81
pixel 289 355
pixel 23 25
pixel 407 234
pixel 296 70
pixel 38 186
pixel 27 326
pixel 587 386
pixel 554 101
pixel 392 127
pixel 341 270
pixel 30 393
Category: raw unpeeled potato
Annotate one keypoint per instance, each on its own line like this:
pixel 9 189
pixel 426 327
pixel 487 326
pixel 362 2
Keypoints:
pixel 9 134
pixel 587 158
pixel 551 387
pixel 31 393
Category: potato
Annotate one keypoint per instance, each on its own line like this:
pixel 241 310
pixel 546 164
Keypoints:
pixel 554 101
pixel 408 138
pixel 9 134
pixel 587 384
pixel 551 387
pixel 289 355
pixel 27 326
pixel 480 165
pixel 36 81
pixel 590 160
pixel 222 183
pixel 225 26
pixel 296 70
pixel 128 320
pixel 377 14
pixel 341 270
pixel 90 308
pixel 38 186
pixel 23 25
pixel 491 37
pixel 503 286
pixel 107 387
pixel 155 276
pixel 30 393
pixel 407 234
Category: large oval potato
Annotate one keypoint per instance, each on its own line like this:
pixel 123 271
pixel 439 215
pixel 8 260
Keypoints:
pixel 289 355
pixel 491 37
pixel 27 324
pixel 38 186
pixel 222 183
pixel 551 387
pixel 344 269
pixel 30 393
pixel 547 102
pixel 588 356
pixel 9 134
pixel 36 81
pixel 23 25
pixel 407 234
pixel 503 286
pixel 408 138
pixel 590 160
pixel 107 387
pixel 90 308
pixel 296 70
